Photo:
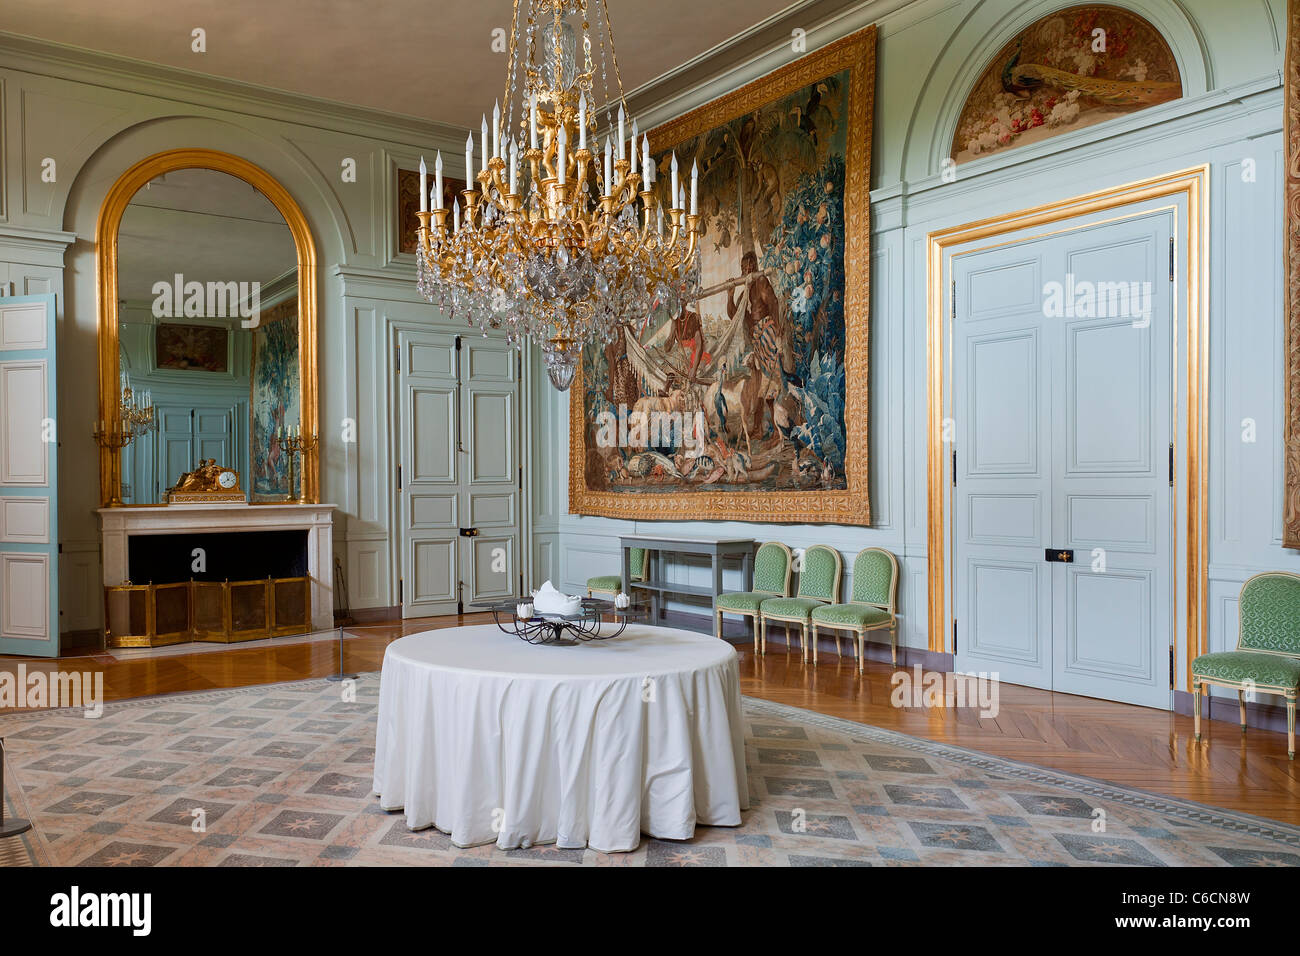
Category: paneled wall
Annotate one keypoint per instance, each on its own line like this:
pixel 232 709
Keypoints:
pixel 94 116
pixel 929 55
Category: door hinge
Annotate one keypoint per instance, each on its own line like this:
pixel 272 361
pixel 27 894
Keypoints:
pixel 1171 258
pixel 954 635
pixel 521 583
pixel 1171 464
pixel 460 597
pixel 397 359
pixel 1171 667
pixel 954 298
pixel 399 592
pixel 521 477
pixel 399 479
pixel 60 547
pixel 954 467
pixel 519 366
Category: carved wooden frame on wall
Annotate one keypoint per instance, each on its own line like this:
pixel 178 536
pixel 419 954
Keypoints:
pixel 1291 259
pixel 851 504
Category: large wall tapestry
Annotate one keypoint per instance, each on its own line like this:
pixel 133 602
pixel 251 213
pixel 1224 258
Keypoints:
pixel 1291 257
pixel 751 403
pixel 275 402
pixel 1076 67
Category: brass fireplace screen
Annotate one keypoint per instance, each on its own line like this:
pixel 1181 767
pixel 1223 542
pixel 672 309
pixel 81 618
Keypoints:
pixel 155 615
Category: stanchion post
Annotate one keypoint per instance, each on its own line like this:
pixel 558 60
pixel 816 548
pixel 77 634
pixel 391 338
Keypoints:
pixel 340 676
pixel 14 825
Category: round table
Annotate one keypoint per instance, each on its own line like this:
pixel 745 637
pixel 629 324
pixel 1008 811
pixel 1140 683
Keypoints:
pixel 494 740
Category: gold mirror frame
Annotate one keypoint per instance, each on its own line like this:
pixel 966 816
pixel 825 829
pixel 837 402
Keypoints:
pixel 106 231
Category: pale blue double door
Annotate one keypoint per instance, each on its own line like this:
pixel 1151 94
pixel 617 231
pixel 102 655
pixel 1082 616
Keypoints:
pixel 1062 510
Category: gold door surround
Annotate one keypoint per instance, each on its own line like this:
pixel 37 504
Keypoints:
pixel 106 230
pixel 1194 185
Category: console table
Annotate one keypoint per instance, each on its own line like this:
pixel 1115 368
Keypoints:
pixel 657 545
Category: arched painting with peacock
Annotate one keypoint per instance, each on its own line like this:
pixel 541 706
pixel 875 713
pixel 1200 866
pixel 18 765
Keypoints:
pixel 1076 67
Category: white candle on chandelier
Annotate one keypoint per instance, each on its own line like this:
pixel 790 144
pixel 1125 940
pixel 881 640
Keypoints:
pixel 561 160
pixel 695 188
pixel 424 186
pixel 496 128
pixel 647 167
pixel 673 195
pixel 483 143
pixel 609 168
pixel 681 197
pixel 622 146
pixel 660 218
pixel 582 121
pixel 469 160
pixel 437 181
pixel 455 216
pixel 633 147
pixel 532 122
pixel 514 168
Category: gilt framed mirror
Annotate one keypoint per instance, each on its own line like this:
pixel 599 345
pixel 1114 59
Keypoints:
pixel 207 332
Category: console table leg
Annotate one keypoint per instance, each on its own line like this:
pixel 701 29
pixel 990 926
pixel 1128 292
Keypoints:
pixel 717 584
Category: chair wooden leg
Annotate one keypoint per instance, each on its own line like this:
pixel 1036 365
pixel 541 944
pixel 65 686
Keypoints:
pixel 1241 708
pixel 1196 710
pixel 760 623
pixel 717 626
pixel 1290 728
pixel 814 643
pixel 803 641
pixel 893 645
pixel 861 649
pixel 837 640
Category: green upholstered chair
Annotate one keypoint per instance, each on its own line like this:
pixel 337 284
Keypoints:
pixel 613 583
pixel 1267 657
pixel 819 583
pixel 772 565
pixel 873 605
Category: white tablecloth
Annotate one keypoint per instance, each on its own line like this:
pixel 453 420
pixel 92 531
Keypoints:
pixel 493 740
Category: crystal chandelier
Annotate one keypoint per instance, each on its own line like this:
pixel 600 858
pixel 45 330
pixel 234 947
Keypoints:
pixel 555 241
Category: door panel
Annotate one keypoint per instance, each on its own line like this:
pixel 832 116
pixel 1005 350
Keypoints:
pixel 460 407
pixel 29 550
pixel 1063 410
pixel 431 501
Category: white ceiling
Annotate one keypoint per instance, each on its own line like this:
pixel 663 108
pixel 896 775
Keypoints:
pixel 432 60
pixel 205 225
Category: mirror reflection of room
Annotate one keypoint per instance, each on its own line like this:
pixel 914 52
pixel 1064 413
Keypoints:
pixel 208 334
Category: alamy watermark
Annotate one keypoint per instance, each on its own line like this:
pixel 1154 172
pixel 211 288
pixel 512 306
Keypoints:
pixel 55 689
pixel 208 300
pixel 1081 299
pixel 938 689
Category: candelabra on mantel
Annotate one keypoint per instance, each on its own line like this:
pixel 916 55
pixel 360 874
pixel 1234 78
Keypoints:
pixel 296 445
pixel 570 256
pixel 133 417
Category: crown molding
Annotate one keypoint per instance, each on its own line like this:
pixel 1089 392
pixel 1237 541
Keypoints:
pixel 755 51
pixel 76 64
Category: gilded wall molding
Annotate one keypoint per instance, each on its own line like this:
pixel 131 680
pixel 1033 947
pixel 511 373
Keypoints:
pixel 1291 262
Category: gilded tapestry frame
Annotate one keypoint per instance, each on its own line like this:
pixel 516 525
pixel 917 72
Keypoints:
pixel 1291 264
pixel 850 506
pixel 106 232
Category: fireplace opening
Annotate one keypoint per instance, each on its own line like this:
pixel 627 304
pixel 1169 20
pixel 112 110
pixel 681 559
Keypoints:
pixel 229 556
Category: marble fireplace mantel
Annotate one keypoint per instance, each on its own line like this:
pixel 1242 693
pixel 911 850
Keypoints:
pixel 117 525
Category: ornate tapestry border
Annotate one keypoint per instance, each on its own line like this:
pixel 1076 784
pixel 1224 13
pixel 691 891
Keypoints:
pixel 851 506
pixel 1291 258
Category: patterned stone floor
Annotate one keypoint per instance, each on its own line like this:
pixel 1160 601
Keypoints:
pixel 280 775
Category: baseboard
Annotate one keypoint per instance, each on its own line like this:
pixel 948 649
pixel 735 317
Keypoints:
pixel 372 615
pixel 1259 715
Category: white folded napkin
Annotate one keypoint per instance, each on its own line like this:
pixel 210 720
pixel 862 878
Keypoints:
pixel 547 600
